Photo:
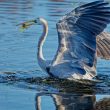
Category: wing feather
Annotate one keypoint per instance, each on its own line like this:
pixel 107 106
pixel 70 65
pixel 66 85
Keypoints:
pixel 103 45
pixel 77 33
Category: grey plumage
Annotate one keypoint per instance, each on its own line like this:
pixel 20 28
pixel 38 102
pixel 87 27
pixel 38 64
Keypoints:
pixel 77 34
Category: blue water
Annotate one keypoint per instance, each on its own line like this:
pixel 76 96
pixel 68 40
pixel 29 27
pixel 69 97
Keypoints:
pixel 20 74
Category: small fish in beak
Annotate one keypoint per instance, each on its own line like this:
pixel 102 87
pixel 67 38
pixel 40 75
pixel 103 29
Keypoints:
pixel 26 24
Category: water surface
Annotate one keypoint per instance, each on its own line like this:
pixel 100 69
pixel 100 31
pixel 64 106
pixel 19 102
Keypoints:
pixel 22 82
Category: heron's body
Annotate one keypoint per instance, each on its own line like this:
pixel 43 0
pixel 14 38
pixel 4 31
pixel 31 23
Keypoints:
pixel 81 40
pixel 46 65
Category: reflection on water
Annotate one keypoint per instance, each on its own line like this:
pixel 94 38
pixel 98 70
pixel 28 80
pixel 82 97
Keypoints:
pixel 68 102
pixel 19 68
pixel 72 102
pixel 12 98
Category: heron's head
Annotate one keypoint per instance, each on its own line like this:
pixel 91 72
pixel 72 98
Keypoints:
pixel 29 23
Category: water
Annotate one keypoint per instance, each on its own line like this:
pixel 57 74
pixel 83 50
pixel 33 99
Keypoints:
pixel 22 82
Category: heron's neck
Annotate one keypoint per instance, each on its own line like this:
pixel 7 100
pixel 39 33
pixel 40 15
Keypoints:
pixel 42 39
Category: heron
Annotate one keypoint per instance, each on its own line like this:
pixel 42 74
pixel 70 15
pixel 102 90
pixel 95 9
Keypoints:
pixel 81 40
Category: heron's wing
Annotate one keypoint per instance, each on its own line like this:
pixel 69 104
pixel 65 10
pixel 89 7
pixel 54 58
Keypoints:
pixel 77 33
pixel 103 45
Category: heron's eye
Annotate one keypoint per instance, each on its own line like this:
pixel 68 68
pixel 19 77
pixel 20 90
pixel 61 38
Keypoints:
pixel 35 21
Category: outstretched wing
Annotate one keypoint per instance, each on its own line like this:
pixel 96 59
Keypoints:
pixel 77 33
pixel 103 45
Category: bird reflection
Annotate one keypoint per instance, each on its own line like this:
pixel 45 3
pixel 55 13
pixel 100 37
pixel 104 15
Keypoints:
pixel 73 102
pixel 69 102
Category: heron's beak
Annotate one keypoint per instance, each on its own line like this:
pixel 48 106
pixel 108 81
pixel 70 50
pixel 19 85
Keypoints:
pixel 26 24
